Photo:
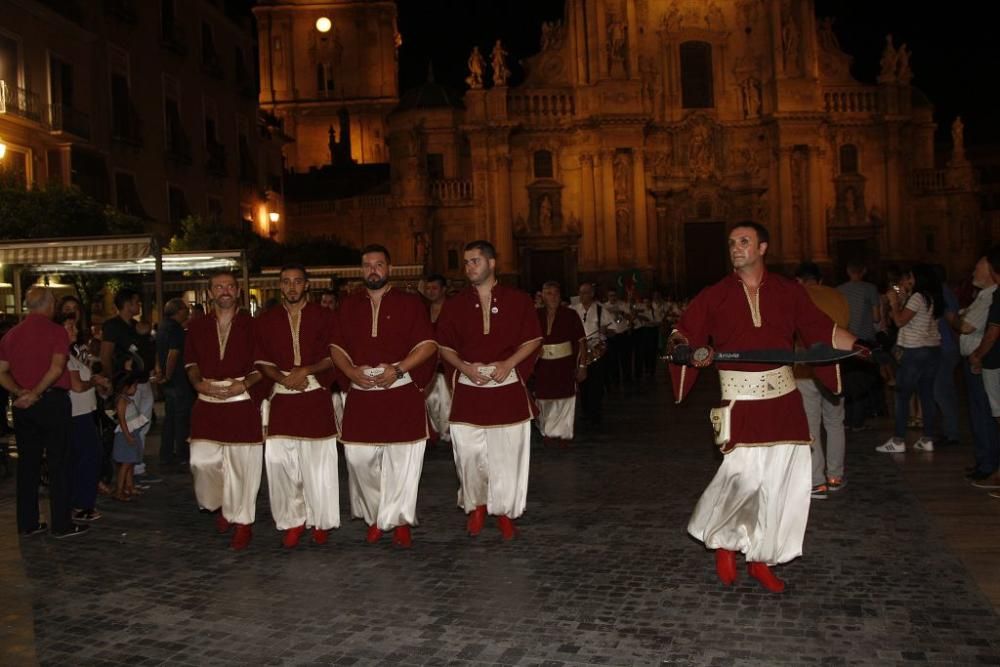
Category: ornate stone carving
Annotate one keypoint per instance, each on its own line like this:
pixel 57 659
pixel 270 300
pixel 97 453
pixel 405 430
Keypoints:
pixel 957 141
pixel 888 62
pixel 649 74
pixel 545 214
pixel 790 41
pixel 500 71
pixel 750 97
pixel 671 21
pixel 553 34
pixel 714 18
pixel 903 72
pixel 617 44
pixel 476 68
pixel 701 150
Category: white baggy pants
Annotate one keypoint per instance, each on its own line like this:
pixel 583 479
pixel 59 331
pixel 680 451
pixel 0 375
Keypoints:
pixel 384 480
pixel 302 482
pixel 492 464
pixel 227 477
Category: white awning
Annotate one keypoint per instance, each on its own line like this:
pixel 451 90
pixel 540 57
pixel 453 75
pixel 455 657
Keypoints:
pixel 28 252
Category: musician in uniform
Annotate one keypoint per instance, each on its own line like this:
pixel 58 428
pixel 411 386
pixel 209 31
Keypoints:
pixel 619 333
pixel 758 501
pixel 489 335
pixel 226 438
pixel 560 367
pixel 438 393
pixel 301 455
pixel 384 345
pixel 595 320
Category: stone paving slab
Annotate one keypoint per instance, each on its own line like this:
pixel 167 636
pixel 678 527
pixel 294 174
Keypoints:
pixel 604 574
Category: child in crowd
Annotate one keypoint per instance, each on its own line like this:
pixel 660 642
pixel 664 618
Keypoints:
pixel 128 434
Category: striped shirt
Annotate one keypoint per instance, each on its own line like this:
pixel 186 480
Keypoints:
pixel 922 329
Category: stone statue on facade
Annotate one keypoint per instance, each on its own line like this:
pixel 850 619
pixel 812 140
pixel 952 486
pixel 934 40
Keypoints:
pixel 888 62
pixel 616 41
pixel 621 173
pixel 500 71
pixel 903 71
pixel 751 97
pixel 790 42
pixel 700 157
pixel 476 68
pixel 671 20
pixel 714 18
pixel 958 140
pixel 827 37
pixel 552 35
pixel 545 214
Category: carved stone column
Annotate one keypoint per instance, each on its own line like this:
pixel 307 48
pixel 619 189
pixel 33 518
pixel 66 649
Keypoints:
pixel 641 238
pixel 588 244
pixel 504 225
pixel 818 250
pixel 607 188
pixel 786 219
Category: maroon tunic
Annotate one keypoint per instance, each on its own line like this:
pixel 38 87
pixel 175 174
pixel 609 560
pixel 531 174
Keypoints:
pixel 225 423
pixel 726 313
pixel 556 378
pixel 307 415
pixel 370 337
pixel 511 323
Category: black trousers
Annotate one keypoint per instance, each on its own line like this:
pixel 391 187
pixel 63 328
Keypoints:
pixel 646 341
pixel 176 425
pixel 44 427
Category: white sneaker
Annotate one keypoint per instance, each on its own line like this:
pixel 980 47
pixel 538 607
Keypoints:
pixel 892 446
pixel 924 445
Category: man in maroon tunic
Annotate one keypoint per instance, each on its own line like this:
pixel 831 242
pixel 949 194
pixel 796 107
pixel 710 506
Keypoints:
pixel 758 501
pixel 489 335
pixel 384 345
pixel 560 366
pixel 226 450
pixel 301 455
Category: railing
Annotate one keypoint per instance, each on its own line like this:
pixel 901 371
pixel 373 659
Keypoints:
pixel 20 102
pixel 340 206
pixel 851 99
pixel 64 118
pixel 451 189
pixel 933 181
pixel 542 105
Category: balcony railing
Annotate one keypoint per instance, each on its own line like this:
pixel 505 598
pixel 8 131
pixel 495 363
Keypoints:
pixel 216 163
pixel 20 102
pixel 63 118
pixel 451 190
pixel 934 181
pixel 851 99
pixel 178 147
pixel 542 106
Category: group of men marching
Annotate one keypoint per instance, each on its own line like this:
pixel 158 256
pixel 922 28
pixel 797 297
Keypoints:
pixel 268 382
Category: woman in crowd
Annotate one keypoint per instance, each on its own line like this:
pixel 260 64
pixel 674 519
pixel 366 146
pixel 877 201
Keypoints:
pixel 918 347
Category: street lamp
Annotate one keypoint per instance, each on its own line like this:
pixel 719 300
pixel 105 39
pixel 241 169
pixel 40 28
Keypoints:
pixel 3 149
pixel 274 217
pixel 323 24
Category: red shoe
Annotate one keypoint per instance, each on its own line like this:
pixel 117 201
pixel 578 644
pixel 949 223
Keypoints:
pixel 762 573
pixel 401 537
pixel 374 534
pixel 507 527
pixel 320 536
pixel 292 537
pixel 477 518
pixel 725 566
pixel 221 523
pixel 241 537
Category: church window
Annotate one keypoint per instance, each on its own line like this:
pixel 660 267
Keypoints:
pixel 696 75
pixel 543 164
pixel 848 159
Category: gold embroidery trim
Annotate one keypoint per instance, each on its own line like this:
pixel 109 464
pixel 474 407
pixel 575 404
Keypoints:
pixel 223 334
pixel 295 322
pixel 754 303
pixel 375 308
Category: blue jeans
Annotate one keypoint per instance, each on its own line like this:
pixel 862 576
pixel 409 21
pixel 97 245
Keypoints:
pixel 86 457
pixel 985 435
pixel 945 394
pixel 916 373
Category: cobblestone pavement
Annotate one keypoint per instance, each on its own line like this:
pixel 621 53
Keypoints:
pixel 603 573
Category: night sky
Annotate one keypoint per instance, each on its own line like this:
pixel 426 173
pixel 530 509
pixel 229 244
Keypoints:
pixel 956 55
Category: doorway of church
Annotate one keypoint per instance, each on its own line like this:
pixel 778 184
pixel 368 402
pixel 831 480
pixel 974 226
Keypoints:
pixel 706 258
pixel 545 265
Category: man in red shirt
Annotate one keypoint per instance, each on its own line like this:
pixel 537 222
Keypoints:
pixel 226 436
pixel 33 369
pixel 560 366
pixel 384 344
pixel 489 335
pixel 758 501
pixel 293 350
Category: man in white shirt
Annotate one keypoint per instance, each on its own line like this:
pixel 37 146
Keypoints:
pixel 619 332
pixel 985 436
pixel 595 325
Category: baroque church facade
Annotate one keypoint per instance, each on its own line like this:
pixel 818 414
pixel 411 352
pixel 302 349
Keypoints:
pixel 641 131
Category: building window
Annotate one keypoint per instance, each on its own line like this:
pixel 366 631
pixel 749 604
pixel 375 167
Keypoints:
pixel 10 67
pixel 542 164
pixel 14 167
pixel 452 259
pixel 324 78
pixel 697 90
pixel 848 159
pixel 435 166
pixel 215 210
pixel 127 195
pixel 177 207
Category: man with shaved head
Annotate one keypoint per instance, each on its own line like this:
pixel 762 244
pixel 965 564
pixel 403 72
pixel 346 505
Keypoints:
pixel 33 369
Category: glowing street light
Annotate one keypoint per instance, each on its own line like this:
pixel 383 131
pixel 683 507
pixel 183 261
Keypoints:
pixel 3 149
pixel 323 24
pixel 274 216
